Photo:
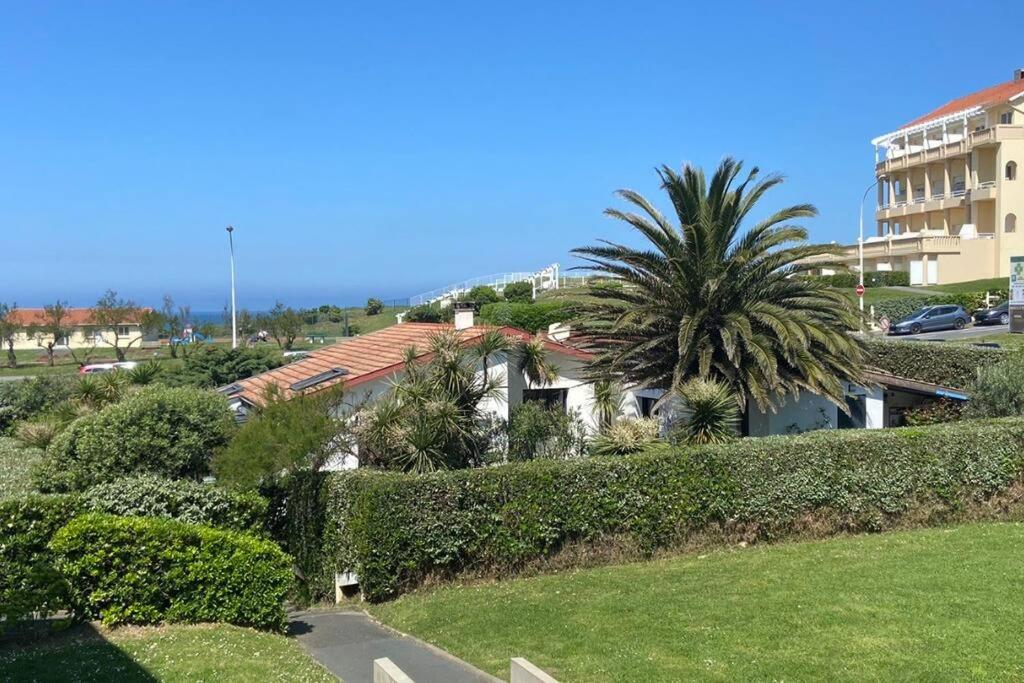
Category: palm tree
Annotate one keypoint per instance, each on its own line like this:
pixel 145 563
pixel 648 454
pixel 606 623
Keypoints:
pixel 703 299
pixel 534 362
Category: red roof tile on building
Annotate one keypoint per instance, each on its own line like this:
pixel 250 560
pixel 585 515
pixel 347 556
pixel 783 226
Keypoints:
pixel 74 317
pixel 369 357
pixel 997 94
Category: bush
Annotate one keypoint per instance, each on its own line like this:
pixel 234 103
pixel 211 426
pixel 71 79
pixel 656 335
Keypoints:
pixel 534 317
pixel 217 366
pixel 951 365
pixel 159 430
pixel 29 582
pixel 518 292
pixel 897 309
pixel 895 278
pixel 538 432
pixel 481 294
pixel 626 437
pixel 136 570
pixel 185 501
pixel 998 390
pixel 374 306
pixel 395 530
pixel 934 412
pixel 29 398
pixel 430 314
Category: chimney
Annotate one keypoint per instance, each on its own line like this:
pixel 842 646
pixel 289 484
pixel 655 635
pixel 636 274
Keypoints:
pixel 464 312
pixel 1018 74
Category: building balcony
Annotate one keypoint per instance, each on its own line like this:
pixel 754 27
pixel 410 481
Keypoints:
pixel 920 204
pixel 937 150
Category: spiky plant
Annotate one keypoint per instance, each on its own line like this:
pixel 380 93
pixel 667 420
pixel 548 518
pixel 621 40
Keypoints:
pixel 535 364
pixel 607 403
pixel 709 413
pixel 704 298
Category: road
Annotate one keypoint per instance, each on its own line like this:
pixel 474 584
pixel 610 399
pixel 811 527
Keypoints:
pixel 958 335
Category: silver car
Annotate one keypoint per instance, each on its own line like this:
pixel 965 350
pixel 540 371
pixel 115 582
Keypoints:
pixel 931 318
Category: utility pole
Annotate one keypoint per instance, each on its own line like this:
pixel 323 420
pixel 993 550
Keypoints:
pixel 234 316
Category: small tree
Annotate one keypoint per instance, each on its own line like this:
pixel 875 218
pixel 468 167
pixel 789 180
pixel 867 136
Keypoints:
pixel 285 436
pixel 110 314
pixel 9 330
pixel 483 294
pixel 53 330
pixel 284 325
pixel 518 292
pixel 374 306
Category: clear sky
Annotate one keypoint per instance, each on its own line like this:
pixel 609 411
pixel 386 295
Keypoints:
pixel 388 148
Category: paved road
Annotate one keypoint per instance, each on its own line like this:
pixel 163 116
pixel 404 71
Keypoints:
pixel 347 642
pixel 959 335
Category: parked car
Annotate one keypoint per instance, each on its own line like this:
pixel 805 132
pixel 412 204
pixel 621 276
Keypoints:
pixel 931 318
pixel 96 368
pixel 997 315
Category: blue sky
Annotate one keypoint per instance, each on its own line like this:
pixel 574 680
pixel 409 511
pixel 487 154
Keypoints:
pixel 388 148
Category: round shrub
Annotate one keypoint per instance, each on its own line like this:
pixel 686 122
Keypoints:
pixel 483 294
pixel 137 570
pixel 180 499
pixel 518 292
pixel 374 306
pixel 532 317
pixel 159 430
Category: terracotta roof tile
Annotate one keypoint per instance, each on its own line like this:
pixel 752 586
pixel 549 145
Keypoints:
pixel 997 94
pixel 75 316
pixel 369 357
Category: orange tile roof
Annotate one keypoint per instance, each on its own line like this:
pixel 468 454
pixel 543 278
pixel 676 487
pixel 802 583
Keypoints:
pixel 75 317
pixel 369 357
pixel 997 94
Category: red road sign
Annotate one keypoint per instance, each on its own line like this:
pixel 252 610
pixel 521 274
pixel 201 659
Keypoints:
pixel 860 290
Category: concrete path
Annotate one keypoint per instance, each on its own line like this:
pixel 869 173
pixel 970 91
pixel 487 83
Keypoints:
pixel 347 642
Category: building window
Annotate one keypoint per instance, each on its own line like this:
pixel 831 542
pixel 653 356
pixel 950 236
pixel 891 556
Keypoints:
pixel 1010 223
pixel 552 399
pixel 1006 117
pixel 124 331
pixel 646 405
pixel 1011 170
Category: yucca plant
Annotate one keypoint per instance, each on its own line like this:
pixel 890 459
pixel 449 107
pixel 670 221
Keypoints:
pixel 535 364
pixel 704 298
pixel 626 436
pixel 144 373
pixel 709 412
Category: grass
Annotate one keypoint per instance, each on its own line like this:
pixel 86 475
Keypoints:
pixel 165 653
pixel 989 284
pixel 937 604
pixel 15 466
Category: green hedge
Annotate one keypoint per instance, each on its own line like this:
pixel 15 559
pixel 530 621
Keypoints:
pixel 897 309
pixel 396 530
pixel 895 278
pixel 186 501
pixel 136 570
pixel 952 365
pixel 29 582
pixel 532 317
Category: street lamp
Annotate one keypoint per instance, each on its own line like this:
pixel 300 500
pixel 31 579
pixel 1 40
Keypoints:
pixel 234 320
pixel 860 239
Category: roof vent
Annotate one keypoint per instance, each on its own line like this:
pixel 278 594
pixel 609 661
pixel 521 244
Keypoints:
pixel 318 379
pixel 1018 74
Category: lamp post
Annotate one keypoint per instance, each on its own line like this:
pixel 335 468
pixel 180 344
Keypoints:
pixel 234 319
pixel 860 239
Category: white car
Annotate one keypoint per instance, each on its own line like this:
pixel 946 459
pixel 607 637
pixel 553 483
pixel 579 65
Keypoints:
pixel 96 368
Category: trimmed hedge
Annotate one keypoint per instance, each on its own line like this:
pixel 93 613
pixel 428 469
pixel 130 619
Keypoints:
pixel 186 501
pixel 396 530
pixel 532 317
pixel 894 278
pixel 136 570
pixel 29 582
pixel 951 365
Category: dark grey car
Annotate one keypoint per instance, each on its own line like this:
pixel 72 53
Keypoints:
pixel 931 318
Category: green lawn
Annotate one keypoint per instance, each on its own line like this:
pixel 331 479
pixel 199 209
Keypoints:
pixel 165 653
pixel 15 466
pixel 989 284
pixel 937 604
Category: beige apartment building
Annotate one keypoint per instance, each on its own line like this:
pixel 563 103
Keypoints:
pixel 949 198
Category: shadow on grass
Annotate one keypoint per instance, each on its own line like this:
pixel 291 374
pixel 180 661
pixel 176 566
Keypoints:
pixel 80 653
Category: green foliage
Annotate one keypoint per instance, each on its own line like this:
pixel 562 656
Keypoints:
pixel 430 314
pixel 30 398
pixel 897 309
pixel 710 413
pixel 626 437
pixel 374 306
pixel 998 389
pixel 894 278
pixel 16 465
pixel 180 499
pixel 283 436
pixel 138 570
pixel 518 292
pixel 29 581
pixel 708 296
pixel 934 412
pixel 394 529
pixel 216 366
pixel 144 373
pixel 532 317
pixel 482 294
pixel 951 365
pixel 159 430
pixel 538 432
pixel 283 323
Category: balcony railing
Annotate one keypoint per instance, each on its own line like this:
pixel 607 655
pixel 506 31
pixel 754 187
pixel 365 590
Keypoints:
pixel 938 195
pixel 987 184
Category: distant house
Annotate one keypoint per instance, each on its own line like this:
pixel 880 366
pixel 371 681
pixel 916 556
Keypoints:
pixel 82 329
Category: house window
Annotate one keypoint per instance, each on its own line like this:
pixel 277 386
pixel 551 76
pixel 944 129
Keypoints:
pixel 646 405
pixel 124 331
pixel 1010 223
pixel 1006 117
pixel 1011 170
pixel 552 399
